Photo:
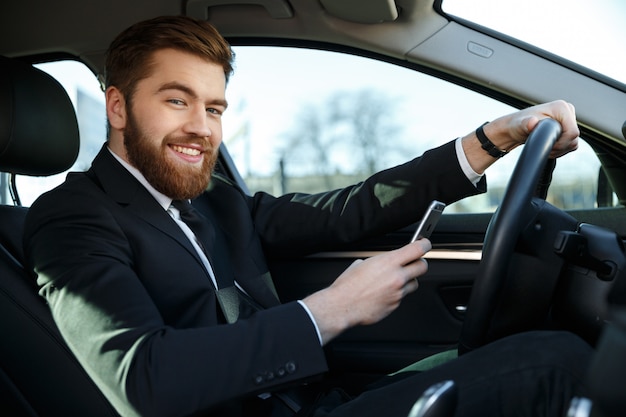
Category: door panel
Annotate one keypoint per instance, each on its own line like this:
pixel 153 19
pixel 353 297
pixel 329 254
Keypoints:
pixel 428 321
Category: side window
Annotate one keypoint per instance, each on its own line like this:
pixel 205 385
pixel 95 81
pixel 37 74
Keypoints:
pixel 308 120
pixel 85 93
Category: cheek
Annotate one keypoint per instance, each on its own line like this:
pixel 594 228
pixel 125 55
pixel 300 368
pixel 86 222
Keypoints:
pixel 216 133
pixel 156 123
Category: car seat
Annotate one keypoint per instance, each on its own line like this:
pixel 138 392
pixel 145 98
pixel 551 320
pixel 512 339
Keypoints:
pixel 39 375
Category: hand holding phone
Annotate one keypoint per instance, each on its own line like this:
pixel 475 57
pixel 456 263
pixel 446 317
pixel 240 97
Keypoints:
pixel 429 221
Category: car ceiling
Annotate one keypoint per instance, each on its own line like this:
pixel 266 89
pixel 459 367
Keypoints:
pixel 408 30
pixel 78 28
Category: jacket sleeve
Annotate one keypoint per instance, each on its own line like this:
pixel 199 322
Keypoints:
pixel 87 272
pixel 387 201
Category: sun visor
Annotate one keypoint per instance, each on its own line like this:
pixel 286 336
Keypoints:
pixel 362 11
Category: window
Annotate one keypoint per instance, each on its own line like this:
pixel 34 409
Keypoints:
pixel 307 120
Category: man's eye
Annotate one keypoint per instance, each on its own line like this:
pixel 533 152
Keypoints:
pixel 214 111
pixel 176 101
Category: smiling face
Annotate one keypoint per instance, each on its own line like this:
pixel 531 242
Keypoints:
pixel 171 129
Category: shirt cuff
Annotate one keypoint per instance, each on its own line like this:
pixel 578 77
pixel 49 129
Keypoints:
pixel 465 165
pixel 317 329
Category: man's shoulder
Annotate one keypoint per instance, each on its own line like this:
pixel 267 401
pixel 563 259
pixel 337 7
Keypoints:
pixel 75 185
pixel 75 197
pixel 222 187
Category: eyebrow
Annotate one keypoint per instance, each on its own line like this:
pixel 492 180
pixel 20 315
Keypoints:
pixel 190 92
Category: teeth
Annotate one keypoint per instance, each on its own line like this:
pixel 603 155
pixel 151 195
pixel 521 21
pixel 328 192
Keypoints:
pixel 186 151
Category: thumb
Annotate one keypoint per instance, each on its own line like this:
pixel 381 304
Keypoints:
pixel 529 123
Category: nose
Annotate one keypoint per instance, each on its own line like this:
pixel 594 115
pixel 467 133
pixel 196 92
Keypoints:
pixel 198 123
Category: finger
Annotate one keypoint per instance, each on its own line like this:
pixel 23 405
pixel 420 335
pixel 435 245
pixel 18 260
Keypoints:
pixel 411 286
pixel 570 126
pixel 413 251
pixel 564 113
pixel 415 269
pixel 529 124
pixel 564 145
pixel 568 141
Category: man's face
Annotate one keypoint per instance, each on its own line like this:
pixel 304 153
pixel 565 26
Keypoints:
pixel 173 126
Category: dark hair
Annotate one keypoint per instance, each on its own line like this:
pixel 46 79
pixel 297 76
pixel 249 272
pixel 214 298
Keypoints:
pixel 129 57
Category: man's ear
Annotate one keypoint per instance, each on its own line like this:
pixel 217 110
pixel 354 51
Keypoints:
pixel 116 108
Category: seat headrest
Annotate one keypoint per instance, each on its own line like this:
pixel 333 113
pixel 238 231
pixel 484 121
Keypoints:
pixel 38 126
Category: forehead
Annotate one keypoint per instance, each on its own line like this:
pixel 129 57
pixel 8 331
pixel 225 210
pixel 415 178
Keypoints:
pixel 174 66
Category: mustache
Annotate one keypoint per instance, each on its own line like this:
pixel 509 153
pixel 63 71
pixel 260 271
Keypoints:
pixel 202 141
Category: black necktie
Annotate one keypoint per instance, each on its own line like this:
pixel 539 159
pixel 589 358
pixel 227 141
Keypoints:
pixel 199 225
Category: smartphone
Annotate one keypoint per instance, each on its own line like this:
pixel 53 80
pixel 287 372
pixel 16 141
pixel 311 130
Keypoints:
pixel 429 221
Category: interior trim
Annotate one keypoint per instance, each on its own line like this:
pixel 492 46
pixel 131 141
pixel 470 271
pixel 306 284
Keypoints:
pixel 441 254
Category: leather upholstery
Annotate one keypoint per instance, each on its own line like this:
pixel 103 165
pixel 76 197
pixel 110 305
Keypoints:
pixel 35 114
pixel 39 376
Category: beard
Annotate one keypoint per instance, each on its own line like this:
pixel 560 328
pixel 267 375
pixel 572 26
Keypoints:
pixel 175 180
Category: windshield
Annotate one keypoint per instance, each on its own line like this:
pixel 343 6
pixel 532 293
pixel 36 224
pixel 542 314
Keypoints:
pixel 590 33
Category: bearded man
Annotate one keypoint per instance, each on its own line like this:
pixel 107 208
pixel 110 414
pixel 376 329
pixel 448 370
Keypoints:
pixel 170 308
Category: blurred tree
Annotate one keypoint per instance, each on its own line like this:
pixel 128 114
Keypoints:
pixel 365 118
pixel 346 133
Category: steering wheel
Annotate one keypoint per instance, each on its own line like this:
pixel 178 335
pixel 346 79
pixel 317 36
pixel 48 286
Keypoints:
pixel 503 232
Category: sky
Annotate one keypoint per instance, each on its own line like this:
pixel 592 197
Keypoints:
pixel 590 32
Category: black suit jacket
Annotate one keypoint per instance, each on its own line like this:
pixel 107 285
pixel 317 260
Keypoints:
pixel 138 309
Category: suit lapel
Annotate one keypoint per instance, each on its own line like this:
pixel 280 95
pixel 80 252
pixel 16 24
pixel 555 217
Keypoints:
pixel 131 195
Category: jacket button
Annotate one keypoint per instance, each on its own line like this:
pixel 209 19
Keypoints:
pixel 290 367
